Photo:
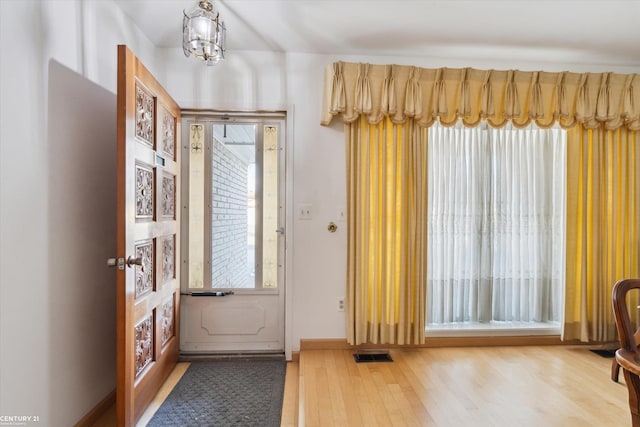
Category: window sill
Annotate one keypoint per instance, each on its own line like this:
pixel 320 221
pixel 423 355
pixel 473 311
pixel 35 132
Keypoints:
pixel 493 329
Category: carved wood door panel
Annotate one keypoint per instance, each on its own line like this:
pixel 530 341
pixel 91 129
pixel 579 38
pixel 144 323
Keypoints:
pixel 148 290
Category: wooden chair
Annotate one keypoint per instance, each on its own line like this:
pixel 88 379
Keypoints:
pixel 628 356
pixel 615 366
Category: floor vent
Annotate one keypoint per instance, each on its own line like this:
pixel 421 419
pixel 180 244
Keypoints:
pixel 605 352
pixel 372 357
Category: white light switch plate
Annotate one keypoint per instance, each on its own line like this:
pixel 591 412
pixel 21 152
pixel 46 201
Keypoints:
pixel 304 211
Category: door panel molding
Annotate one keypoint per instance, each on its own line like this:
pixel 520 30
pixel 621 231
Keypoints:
pixel 250 315
pixel 205 325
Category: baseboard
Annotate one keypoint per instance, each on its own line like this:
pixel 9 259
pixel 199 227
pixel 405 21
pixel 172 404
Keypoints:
pixel 495 341
pixel 435 342
pixel 295 357
pixel 325 344
pixel 100 409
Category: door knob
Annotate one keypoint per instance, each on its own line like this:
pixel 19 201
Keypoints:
pixel 133 261
pixel 120 262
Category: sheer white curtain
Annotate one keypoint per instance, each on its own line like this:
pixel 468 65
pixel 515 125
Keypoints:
pixel 496 224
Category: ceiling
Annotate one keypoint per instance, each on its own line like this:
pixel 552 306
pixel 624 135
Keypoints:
pixel 566 31
pixel 238 138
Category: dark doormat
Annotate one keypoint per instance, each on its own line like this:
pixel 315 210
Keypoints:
pixel 238 392
pixel 372 357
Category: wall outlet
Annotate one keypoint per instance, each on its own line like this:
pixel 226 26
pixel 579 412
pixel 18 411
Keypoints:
pixel 340 304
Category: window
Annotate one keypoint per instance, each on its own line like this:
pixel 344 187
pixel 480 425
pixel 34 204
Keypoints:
pixel 496 221
pixel 235 208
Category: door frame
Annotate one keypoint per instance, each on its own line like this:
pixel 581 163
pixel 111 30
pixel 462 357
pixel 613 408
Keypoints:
pixel 287 115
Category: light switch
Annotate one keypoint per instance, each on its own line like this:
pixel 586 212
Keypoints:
pixel 305 211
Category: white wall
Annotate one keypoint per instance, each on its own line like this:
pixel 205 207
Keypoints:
pixel 35 361
pixel 252 80
pixel 57 204
pixel 319 257
pixel 248 80
pixel 81 182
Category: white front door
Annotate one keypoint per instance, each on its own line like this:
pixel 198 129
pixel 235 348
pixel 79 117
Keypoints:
pixel 233 236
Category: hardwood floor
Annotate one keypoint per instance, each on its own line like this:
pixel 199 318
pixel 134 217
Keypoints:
pixel 290 400
pixel 496 386
pixel 486 386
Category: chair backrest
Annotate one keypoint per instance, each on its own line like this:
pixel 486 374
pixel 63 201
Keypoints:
pixel 623 322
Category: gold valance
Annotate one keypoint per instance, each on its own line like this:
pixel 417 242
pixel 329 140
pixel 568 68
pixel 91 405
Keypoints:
pixel 425 94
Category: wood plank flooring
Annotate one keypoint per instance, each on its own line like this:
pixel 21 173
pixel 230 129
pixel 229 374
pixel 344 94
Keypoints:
pixel 490 386
pixel 290 399
pixel 487 386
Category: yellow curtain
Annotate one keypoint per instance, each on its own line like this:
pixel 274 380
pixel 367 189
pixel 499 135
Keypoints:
pixel 403 92
pixel 603 228
pixel 386 275
pixel 387 108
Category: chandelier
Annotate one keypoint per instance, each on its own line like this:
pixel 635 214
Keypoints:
pixel 204 33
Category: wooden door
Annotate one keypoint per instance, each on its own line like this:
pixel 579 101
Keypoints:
pixel 148 291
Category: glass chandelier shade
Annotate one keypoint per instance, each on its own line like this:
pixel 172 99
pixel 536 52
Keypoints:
pixel 204 33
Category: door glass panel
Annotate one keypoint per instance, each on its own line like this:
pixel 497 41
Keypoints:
pixel 270 207
pixel 234 179
pixel 235 200
pixel 196 205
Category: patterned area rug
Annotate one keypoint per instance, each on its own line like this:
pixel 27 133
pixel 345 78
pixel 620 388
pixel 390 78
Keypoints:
pixel 229 392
